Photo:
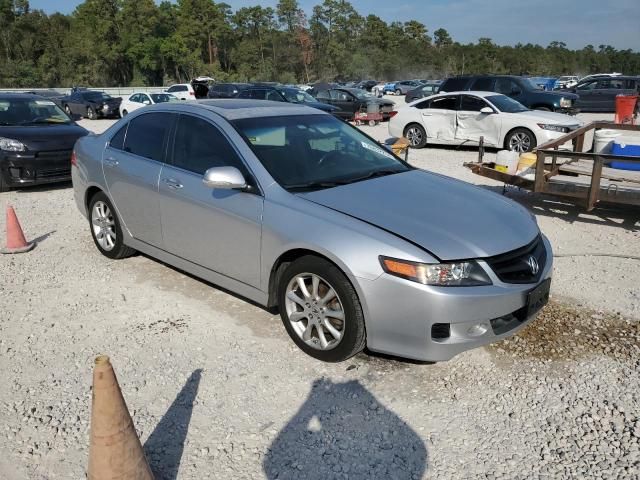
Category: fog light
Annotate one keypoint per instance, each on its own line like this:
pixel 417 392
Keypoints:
pixel 477 330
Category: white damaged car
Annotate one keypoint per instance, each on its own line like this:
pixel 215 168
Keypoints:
pixel 461 118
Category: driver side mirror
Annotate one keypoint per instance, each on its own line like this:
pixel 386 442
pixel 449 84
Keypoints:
pixel 224 178
pixel 147 102
pixel 487 110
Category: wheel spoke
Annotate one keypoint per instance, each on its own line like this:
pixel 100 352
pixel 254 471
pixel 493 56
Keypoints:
pixel 315 282
pixel 328 296
pixel 303 287
pixel 297 316
pixel 295 298
pixel 323 340
pixel 334 314
pixel 306 335
pixel 335 333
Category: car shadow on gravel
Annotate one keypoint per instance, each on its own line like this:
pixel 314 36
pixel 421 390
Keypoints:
pixel 342 431
pixel 165 445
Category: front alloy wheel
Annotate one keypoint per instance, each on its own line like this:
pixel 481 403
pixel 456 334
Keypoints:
pixel 521 141
pixel 105 228
pixel 416 136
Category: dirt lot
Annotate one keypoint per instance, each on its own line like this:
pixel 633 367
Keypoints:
pixel 217 390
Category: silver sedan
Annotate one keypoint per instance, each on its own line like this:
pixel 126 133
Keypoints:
pixel 291 207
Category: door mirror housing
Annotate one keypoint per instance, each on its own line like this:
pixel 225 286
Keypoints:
pixel 147 102
pixel 486 110
pixel 224 178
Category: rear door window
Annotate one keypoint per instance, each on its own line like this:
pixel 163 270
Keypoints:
pixel 472 104
pixel 117 141
pixel 506 86
pixel 444 103
pixel 147 135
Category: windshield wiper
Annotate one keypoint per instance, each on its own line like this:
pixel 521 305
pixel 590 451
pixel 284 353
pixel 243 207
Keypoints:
pixel 375 174
pixel 314 185
pixel 45 122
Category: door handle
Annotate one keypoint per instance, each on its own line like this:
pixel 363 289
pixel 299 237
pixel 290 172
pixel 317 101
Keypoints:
pixel 172 183
pixel 111 162
pixel 427 114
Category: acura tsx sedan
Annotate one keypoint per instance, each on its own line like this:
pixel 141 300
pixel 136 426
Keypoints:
pixel 290 207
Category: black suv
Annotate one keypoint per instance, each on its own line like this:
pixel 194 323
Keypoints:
pixel 226 90
pixel 519 88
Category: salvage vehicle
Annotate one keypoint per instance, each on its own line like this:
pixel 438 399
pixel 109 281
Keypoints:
pixel 566 81
pixel 422 91
pixel 599 94
pixel 293 208
pixel 90 104
pixel 285 94
pixel 352 100
pixel 461 118
pixel 140 99
pixel 36 139
pixel 226 90
pixel 519 88
pixel 400 87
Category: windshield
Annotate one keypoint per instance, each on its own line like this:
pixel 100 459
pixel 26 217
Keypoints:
pixel 297 96
pixel 96 96
pixel 310 152
pixel 506 104
pixel 531 83
pixel 163 98
pixel 30 111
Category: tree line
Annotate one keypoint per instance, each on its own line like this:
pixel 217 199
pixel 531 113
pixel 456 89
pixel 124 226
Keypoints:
pixel 141 43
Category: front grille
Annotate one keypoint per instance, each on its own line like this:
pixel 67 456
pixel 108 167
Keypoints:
pixel 515 266
pixel 53 164
pixel 53 172
pixel 55 155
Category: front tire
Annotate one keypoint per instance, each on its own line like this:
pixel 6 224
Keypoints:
pixel 67 110
pixel 91 113
pixel 320 310
pixel 105 228
pixel 416 135
pixel 124 113
pixel 520 140
pixel 398 92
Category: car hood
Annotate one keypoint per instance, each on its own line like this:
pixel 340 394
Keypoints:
pixel 558 95
pixel 551 117
pixel 452 220
pixel 45 137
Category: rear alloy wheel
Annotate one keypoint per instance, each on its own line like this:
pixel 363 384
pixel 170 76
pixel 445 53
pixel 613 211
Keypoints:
pixel 398 92
pixel 520 140
pixel 320 310
pixel 124 113
pixel 91 113
pixel 416 135
pixel 105 228
pixel 67 110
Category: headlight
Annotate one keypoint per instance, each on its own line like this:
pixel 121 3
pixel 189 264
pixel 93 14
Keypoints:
pixel 10 145
pixel 454 274
pixel 553 128
pixel 565 103
pixel 105 107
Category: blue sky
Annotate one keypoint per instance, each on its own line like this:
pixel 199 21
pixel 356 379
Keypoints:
pixel 575 22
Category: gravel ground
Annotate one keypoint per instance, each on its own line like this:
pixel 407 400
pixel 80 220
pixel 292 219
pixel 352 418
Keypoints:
pixel 217 390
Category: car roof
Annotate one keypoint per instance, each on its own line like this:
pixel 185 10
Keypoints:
pixel 17 95
pixel 238 108
pixel 476 93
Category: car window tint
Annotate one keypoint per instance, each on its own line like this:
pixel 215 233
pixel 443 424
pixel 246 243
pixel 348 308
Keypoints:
pixel 472 104
pixel 324 95
pixel 504 86
pixel 146 135
pixel 483 84
pixel 587 86
pixel 259 94
pixel 444 103
pixel 198 146
pixel 171 89
pixel 117 141
pixel 274 96
pixel 422 105
pixel 144 97
pixel 455 84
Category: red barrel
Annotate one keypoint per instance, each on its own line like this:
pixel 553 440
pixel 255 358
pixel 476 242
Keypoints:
pixel 625 106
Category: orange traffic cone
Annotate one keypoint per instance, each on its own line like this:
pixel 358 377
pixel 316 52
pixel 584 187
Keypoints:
pixel 115 451
pixel 16 243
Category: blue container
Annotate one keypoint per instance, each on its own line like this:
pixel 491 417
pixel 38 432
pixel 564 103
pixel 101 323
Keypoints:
pixel 628 146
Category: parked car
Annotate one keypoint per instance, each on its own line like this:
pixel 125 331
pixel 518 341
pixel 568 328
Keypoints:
pixel 49 94
pixel 36 139
pixel 518 88
pixel 599 94
pixel 378 89
pixel 140 99
pixel 182 91
pixel 401 87
pixel 201 86
pixel 566 81
pixel 285 94
pixel 424 90
pixel 352 100
pixel 544 83
pixel 367 85
pixel 459 118
pixel 90 104
pixel 594 76
pixel 226 90
pixel 292 208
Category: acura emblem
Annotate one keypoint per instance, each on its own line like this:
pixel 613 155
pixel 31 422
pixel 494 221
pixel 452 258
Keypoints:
pixel 533 265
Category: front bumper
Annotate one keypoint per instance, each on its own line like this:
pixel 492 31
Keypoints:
pixel 400 314
pixel 567 111
pixel 27 168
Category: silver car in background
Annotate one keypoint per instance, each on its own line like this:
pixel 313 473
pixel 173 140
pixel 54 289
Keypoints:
pixel 291 207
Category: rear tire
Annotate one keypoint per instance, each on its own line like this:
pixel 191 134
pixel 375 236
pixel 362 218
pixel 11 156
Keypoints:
pixel 311 315
pixel 398 92
pixel 105 228
pixel 91 113
pixel 124 113
pixel 416 135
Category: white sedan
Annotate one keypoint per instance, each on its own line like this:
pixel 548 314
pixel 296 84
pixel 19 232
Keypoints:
pixel 457 118
pixel 140 99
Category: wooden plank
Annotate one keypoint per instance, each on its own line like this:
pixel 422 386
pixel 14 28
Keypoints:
pixel 594 188
pixel 538 185
pixel 606 173
pixel 579 146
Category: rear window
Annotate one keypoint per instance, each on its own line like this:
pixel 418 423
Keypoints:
pixel 454 84
pixel 483 84
pixel 146 135
pixel 117 141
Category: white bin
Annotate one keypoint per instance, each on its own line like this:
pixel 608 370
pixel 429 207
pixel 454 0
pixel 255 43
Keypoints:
pixel 603 140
